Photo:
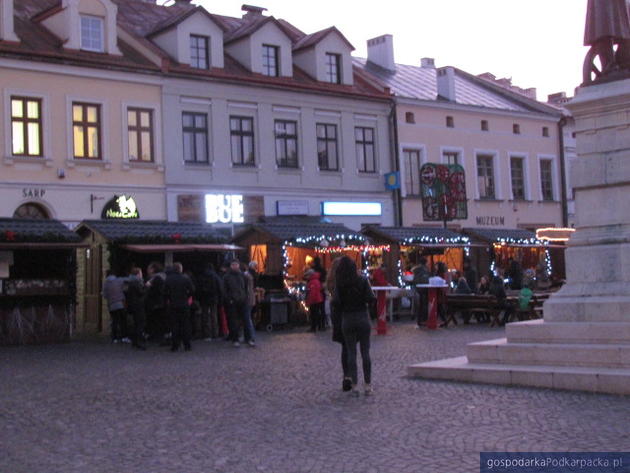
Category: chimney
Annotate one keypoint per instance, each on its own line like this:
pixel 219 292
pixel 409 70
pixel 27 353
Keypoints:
pixel 531 92
pixel 7 32
pixel 252 12
pixel 558 98
pixel 446 83
pixel 381 52
pixel 427 63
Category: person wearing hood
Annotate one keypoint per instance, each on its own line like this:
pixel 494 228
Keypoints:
pixel 314 299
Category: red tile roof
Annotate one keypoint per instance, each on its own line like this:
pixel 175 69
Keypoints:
pixel 143 20
pixel 310 40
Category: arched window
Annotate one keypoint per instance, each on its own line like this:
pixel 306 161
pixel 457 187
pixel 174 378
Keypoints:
pixel 31 210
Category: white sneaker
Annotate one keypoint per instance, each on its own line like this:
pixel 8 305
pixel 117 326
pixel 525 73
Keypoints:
pixel 355 391
pixel 126 340
pixel 209 339
pixel 368 390
pixel 236 344
pixel 251 343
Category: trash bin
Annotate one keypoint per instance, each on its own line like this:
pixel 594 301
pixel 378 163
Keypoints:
pixel 278 311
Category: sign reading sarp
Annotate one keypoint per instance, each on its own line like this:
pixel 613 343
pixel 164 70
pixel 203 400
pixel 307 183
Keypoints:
pixel 223 208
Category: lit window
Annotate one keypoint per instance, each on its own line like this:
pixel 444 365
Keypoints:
pixel 86 130
pixel 92 38
pixel 26 126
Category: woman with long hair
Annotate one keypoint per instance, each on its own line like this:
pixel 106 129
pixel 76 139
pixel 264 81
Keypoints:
pixel 351 297
pixel 335 317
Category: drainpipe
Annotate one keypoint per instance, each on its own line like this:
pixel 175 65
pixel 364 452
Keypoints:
pixel 563 175
pixel 393 130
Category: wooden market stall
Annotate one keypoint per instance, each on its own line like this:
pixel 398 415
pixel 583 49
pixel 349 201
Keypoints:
pixel 501 245
pixel 401 248
pixel 37 281
pixel 122 244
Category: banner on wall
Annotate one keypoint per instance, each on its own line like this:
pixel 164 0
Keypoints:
pixel 443 189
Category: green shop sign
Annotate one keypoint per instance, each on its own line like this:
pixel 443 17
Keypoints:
pixel 122 206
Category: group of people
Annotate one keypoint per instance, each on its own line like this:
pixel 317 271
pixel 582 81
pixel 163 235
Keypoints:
pixel 164 305
pixel 465 282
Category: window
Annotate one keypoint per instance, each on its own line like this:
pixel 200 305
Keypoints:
pixel 31 210
pixel 545 131
pixel 364 141
pixel 270 60
pixel 92 38
pixel 327 157
pixel 199 57
pixel 517 173
pixel 410 117
pixel 242 140
pixel 286 144
pixel 412 164
pixel 333 68
pixel 26 126
pixel 86 130
pixel 140 134
pixel 546 179
pixel 195 134
pixel 450 157
pixel 485 177
pixel 484 125
pixel 516 129
pixel 450 122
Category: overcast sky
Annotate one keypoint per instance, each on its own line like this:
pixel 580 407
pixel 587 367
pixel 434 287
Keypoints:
pixel 538 43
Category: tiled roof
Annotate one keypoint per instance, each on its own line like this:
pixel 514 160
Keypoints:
pixel 290 231
pixel 154 230
pixel 420 83
pixel 416 234
pixel 143 19
pixel 43 231
pixel 493 235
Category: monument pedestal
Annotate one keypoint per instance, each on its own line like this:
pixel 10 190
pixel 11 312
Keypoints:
pixel 583 343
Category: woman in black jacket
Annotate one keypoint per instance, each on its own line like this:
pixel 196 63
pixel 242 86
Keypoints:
pixel 351 298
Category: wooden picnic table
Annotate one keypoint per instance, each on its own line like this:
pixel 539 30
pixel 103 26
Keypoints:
pixel 488 304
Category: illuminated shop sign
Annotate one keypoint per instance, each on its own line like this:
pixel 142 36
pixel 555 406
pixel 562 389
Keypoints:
pixel 221 208
pixel 363 209
pixel 122 206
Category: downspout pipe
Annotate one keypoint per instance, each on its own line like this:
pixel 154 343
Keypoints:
pixel 393 126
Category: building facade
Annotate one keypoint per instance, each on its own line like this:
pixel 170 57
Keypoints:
pixel 507 143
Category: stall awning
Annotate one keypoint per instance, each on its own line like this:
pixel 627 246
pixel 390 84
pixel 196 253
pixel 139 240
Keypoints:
pixel 303 232
pixel 508 236
pixel 26 233
pixel 180 248
pixel 421 236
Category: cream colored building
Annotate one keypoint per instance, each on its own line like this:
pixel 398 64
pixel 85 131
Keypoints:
pixel 507 142
pixel 81 114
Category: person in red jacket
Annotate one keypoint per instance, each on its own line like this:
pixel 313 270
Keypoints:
pixel 314 298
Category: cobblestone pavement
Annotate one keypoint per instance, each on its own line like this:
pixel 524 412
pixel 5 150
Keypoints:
pixel 96 407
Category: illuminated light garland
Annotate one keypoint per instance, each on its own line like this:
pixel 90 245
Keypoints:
pixel 458 240
pixel 401 282
pixel 319 238
pixel 548 262
pixel 540 234
pixel 493 267
pixel 520 241
pixel 360 249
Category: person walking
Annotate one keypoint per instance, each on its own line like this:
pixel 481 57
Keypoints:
pixel 337 333
pixel 250 303
pixel 352 295
pixel 157 321
pixel 136 295
pixel 421 275
pixel 114 294
pixel 235 287
pixel 178 291
pixel 210 295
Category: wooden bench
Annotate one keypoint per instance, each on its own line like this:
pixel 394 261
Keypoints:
pixel 473 303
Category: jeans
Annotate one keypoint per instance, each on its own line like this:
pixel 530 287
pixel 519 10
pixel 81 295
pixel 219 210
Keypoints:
pixel 423 306
pixel 234 313
pixel 180 326
pixel 248 325
pixel 209 320
pixel 119 323
pixel 315 311
pixel 356 328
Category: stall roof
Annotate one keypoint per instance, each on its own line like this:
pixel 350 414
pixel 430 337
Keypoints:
pixel 299 231
pixel 417 235
pixel 15 231
pixel 155 231
pixel 515 236
pixel 178 248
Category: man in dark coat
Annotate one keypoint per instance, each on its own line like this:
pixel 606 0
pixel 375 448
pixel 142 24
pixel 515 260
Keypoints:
pixel 178 291
pixel 421 275
pixel 235 299
pixel 136 295
pixel 210 292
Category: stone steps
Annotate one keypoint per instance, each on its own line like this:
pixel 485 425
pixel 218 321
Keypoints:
pixel 501 351
pixel 600 380
pixel 542 331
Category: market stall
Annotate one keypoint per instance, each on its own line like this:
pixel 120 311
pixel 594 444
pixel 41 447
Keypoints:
pixel 503 245
pixel 37 281
pixel 121 244
pixel 401 248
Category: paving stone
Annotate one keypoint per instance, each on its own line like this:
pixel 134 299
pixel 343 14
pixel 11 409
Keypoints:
pixel 90 407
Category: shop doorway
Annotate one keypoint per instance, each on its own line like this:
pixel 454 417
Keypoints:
pixel 93 270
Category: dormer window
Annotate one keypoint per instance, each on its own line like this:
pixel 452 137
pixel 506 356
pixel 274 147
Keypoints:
pixel 92 33
pixel 270 60
pixel 333 68
pixel 199 57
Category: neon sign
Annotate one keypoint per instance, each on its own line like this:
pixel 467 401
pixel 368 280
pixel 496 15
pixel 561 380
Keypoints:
pixel 352 208
pixel 122 206
pixel 221 208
